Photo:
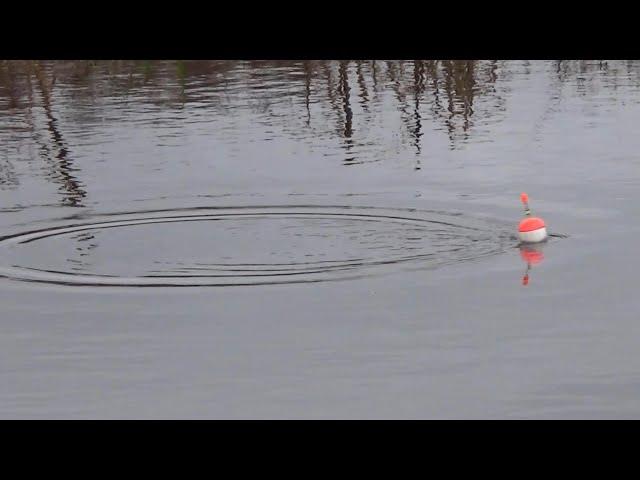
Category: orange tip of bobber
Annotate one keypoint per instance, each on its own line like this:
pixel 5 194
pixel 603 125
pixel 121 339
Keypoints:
pixel 532 230
pixel 524 198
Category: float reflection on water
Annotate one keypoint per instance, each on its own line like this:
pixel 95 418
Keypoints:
pixel 532 254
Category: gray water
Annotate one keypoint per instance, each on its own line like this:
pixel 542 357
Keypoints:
pixel 318 239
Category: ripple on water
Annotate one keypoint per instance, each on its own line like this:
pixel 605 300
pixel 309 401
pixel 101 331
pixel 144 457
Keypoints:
pixel 235 246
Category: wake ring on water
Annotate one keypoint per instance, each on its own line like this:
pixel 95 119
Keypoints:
pixel 238 246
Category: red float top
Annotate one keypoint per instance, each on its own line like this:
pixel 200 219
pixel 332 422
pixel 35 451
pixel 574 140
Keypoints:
pixel 531 223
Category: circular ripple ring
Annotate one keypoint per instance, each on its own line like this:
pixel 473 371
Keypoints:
pixel 348 242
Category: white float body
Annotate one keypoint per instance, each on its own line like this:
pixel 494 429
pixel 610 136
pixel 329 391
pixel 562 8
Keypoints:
pixel 533 236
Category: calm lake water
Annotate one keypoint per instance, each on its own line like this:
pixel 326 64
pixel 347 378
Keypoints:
pixel 318 239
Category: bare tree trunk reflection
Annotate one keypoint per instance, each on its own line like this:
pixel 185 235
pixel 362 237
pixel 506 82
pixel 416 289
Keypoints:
pixel 344 91
pixel 348 113
pixel 364 94
pixel 73 191
pixel 307 90
pixel 418 78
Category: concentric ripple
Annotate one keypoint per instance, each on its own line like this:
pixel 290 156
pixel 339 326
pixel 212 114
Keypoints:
pixel 246 246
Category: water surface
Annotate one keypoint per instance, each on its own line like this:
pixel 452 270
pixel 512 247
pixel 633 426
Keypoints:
pixel 318 239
